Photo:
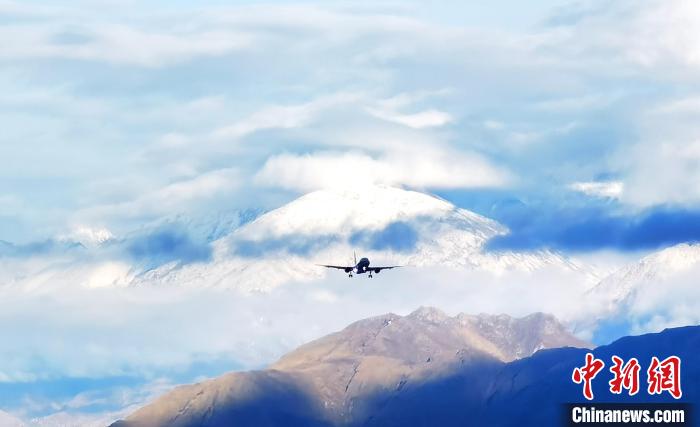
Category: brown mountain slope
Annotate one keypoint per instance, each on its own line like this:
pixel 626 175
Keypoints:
pixel 343 378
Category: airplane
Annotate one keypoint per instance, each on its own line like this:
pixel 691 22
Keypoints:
pixel 360 267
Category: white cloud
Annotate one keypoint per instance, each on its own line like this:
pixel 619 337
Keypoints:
pixel 390 110
pixel 661 166
pixel 643 37
pixel 663 171
pixel 432 168
pixel 118 44
pixel 665 33
pixel 493 125
pixel 664 303
pixel 148 332
pixel 422 119
pixel 683 107
pixel 176 197
pixel 9 204
pixel 609 189
pixel 9 420
pixel 76 410
pixel 282 116
pixel 122 331
pixel 110 274
pixel 322 80
pixel 578 103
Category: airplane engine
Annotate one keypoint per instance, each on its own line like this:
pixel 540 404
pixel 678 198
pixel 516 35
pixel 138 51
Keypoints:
pixel 348 270
pixel 377 271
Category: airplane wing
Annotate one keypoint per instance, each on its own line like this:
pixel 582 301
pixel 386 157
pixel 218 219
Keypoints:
pixel 339 267
pixel 378 269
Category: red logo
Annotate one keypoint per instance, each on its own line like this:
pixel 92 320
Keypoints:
pixel 625 376
pixel 661 376
pixel 586 374
pixel 665 376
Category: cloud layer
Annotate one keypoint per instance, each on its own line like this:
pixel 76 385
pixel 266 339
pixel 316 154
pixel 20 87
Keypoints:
pixel 123 115
pixel 430 169
pixel 111 334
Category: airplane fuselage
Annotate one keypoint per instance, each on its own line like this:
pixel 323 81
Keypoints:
pixel 362 267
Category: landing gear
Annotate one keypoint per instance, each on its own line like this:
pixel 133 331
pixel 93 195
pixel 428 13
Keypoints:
pixel 370 275
pixel 350 275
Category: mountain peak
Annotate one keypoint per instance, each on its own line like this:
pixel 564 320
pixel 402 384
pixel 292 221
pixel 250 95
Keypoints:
pixel 391 226
pixel 429 314
pixel 652 269
pixel 333 211
pixel 326 380
pixel 676 257
pixel 429 333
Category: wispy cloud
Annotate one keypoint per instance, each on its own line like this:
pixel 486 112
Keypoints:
pixel 198 89
pixel 85 340
pixel 172 198
pixel 117 44
pixel 351 169
pixel 610 189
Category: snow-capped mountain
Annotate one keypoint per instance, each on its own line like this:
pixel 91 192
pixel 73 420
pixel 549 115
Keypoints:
pixel 87 236
pixel 657 267
pixel 660 290
pixel 205 228
pixel 389 225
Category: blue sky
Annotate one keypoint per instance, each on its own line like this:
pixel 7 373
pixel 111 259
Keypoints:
pixel 118 114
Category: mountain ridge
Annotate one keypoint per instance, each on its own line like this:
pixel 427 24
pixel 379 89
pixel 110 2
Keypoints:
pixel 374 356
pixel 529 391
pixel 238 250
pixel 400 226
pixel 652 293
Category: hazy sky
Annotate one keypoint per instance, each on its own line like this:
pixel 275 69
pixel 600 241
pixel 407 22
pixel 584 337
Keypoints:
pixel 118 113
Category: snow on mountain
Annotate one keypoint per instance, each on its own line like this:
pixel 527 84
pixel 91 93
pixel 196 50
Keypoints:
pixel 253 252
pixel 369 208
pixel 390 225
pixel 658 291
pixel 654 268
pixel 87 236
pixel 205 228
